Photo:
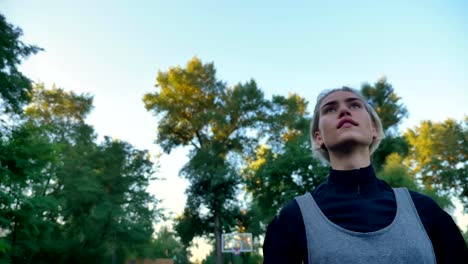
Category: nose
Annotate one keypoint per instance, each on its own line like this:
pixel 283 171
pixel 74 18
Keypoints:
pixel 343 111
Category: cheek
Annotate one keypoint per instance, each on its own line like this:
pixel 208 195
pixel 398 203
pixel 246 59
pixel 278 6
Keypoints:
pixel 324 124
pixel 326 131
pixel 372 129
pixel 322 129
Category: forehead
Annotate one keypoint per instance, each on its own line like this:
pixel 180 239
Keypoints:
pixel 338 96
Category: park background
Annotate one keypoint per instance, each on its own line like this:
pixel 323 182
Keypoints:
pixel 113 51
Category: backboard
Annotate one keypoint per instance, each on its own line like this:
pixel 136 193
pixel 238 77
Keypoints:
pixel 236 242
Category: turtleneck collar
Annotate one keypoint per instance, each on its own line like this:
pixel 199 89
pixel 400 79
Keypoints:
pixel 362 176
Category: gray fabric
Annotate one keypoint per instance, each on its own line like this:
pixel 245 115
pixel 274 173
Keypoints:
pixel 403 241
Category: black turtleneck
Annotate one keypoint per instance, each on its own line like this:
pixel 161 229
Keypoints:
pixel 356 200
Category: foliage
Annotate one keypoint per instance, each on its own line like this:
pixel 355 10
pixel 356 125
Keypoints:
pixel 283 167
pixel 218 122
pixel 26 207
pixel 386 103
pixel 391 111
pixel 438 156
pixel 14 86
pixel 389 145
pixel 166 245
pixel 65 198
pixel 189 225
pixel 396 174
pixel 273 178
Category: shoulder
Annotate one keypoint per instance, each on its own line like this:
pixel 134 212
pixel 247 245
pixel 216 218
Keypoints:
pixel 431 214
pixel 290 213
pixel 285 237
pixel 288 223
pixel 427 208
pixel 424 202
pixel 320 190
pixel 447 240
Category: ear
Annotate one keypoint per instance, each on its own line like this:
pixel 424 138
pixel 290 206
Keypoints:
pixel 318 139
pixel 374 131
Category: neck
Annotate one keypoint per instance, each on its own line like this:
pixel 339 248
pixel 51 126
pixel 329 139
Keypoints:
pixel 356 159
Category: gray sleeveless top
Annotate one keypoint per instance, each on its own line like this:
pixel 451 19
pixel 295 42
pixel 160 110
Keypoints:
pixel 403 241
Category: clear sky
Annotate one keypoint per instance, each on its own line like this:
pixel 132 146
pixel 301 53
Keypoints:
pixel 114 49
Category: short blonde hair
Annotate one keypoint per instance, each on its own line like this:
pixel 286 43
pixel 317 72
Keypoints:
pixel 321 152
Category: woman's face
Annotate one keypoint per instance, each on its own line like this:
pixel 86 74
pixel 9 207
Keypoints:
pixel 344 122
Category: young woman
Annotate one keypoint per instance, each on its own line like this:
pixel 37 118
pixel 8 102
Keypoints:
pixel 353 217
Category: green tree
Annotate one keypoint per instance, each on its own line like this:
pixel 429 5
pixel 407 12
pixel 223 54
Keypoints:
pixel 283 167
pixel 106 214
pixel 387 104
pixel 167 245
pixel 14 86
pixel 189 225
pixel 14 165
pixel 397 174
pixel 103 187
pixel 61 114
pixel 391 144
pixel 31 145
pixel 438 156
pixel 388 158
pixel 218 122
pixel 27 210
pixel 65 198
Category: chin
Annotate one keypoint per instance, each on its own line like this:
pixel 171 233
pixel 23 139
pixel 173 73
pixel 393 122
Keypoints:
pixel 349 143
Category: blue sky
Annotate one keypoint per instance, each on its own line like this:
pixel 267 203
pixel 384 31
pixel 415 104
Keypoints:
pixel 114 49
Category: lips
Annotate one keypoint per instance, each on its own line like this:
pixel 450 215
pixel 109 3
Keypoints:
pixel 346 120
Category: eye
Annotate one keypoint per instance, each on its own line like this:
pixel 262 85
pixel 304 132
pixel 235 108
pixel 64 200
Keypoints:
pixel 355 105
pixel 329 109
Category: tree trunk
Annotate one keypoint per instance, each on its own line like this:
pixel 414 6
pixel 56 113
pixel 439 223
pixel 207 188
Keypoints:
pixel 219 254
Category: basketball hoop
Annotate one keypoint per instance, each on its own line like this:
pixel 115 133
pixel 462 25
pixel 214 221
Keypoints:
pixel 236 243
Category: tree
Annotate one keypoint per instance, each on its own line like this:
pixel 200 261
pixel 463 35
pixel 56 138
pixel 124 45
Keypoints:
pixel 386 102
pixel 275 178
pixel 391 111
pixel 14 86
pixel 167 245
pixel 28 161
pixel 218 122
pixel 27 210
pixel 65 198
pixel 283 167
pixel 107 210
pixel 397 174
pixel 438 156
pixel 391 144
pixel 103 187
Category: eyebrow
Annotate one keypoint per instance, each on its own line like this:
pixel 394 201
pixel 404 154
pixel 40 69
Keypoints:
pixel 347 100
